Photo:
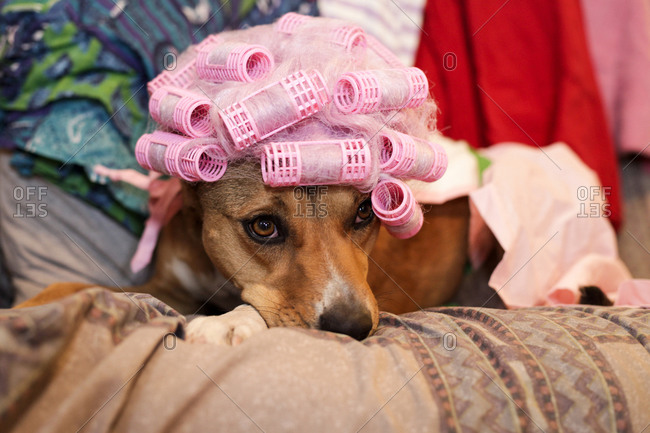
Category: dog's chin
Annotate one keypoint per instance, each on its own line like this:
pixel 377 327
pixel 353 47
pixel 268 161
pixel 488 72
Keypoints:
pixel 279 319
pixel 289 316
pixel 286 316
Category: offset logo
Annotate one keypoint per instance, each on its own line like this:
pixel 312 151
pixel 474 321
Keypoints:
pixel 308 201
pixel 29 201
pixel 593 201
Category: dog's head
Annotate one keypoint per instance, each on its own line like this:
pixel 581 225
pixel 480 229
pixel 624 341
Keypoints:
pixel 297 254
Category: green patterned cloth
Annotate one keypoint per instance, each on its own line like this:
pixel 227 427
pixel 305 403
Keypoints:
pixel 73 77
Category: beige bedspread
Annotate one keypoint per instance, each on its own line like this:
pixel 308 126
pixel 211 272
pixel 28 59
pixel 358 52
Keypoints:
pixel 99 361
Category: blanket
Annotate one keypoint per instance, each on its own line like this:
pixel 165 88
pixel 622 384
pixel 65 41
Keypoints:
pixel 102 361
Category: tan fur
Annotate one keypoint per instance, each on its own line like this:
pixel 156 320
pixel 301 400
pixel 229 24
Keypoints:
pixel 52 293
pixel 323 257
pixel 425 270
pixel 285 281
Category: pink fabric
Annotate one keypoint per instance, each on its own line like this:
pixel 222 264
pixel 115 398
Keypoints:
pixel 609 273
pixel 634 292
pixel 461 176
pixel 135 178
pixel 540 214
pixel 618 33
pixel 481 241
pixel 525 200
pixel 165 200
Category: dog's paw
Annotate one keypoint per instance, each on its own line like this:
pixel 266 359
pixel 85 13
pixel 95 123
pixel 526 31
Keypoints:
pixel 229 329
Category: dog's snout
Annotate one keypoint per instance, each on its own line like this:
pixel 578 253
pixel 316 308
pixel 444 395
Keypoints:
pixel 348 318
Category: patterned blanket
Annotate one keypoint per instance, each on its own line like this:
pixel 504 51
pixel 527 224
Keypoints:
pixel 100 361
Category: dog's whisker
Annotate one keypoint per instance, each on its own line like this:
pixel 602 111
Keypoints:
pixel 302 319
pixel 389 296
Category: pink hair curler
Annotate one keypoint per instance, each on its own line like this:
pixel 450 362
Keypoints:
pixel 440 167
pixel 409 229
pixel 187 158
pixel 394 204
pixel 150 149
pixel 181 110
pixel 198 159
pixel 380 89
pixel 275 107
pixel 383 52
pixel 289 22
pixel 316 163
pixel 214 39
pixel 182 78
pixel 408 157
pixel 233 61
pixel 348 36
pixel 162 79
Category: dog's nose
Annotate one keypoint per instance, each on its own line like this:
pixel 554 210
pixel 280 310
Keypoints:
pixel 348 318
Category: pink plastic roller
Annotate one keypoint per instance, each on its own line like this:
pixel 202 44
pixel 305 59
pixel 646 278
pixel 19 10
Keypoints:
pixel 181 110
pixel 290 22
pixel 346 35
pixel 380 89
pixel 209 41
pixel 316 163
pixel 394 204
pixel 350 37
pixel 182 77
pixel 383 52
pixel 408 157
pixel 275 107
pixel 187 158
pixel 150 149
pixel 233 61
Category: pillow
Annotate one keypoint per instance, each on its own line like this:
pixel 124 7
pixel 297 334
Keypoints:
pixel 107 361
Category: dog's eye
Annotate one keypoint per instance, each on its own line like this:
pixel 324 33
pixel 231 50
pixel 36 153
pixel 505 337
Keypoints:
pixel 364 212
pixel 264 227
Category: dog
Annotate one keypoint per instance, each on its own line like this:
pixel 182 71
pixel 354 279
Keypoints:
pixel 301 256
pixel 310 256
pixel 298 256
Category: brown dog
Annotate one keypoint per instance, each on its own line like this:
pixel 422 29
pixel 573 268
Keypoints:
pixel 302 256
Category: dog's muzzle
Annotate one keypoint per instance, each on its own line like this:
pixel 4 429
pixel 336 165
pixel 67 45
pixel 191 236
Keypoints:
pixel 349 318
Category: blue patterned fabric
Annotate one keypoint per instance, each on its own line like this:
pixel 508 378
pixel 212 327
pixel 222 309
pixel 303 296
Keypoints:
pixel 73 77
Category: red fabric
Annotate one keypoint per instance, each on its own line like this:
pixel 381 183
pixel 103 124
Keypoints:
pixel 518 70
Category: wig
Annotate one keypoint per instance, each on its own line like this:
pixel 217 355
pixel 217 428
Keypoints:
pixel 316 101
